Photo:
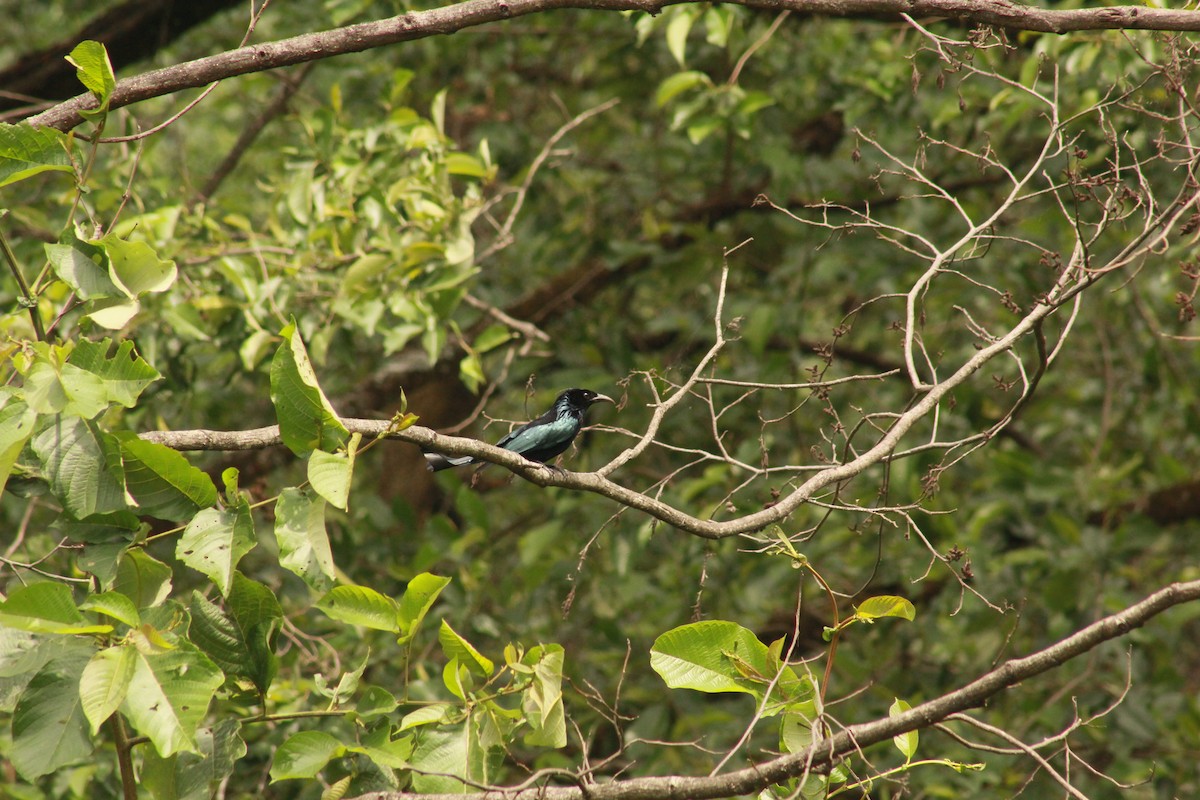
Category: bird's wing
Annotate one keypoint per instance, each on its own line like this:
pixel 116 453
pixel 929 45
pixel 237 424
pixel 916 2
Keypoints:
pixel 539 435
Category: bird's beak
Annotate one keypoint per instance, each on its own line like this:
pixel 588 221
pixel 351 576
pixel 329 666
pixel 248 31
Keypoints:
pixel 602 398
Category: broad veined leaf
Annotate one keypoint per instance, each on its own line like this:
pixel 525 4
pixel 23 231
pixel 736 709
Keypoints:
pixel 142 578
pixel 418 597
pixel 195 776
pixel 105 681
pixel 124 374
pixel 242 648
pixel 542 700
pixel 906 743
pixel 305 755
pixel 169 694
pixel 94 70
pixel 26 151
pixel 115 605
pixel 17 422
pixel 83 465
pixel 874 608
pixel 307 421
pixel 303 541
pixel 360 605
pixel 83 266
pixel 162 482
pixel 49 729
pixel 46 607
pixel 215 541
pixel 455 646
pixel 330 473
pixel 712 656
pixel 135 267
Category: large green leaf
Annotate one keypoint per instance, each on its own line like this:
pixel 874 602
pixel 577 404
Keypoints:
pixel 162 481
pixel 94 70
pixel 25 151
pixel 440 753
pixel 83 266
pixel 360 605
pixel 330 473
pixel 307 421
pixel 215 541
pixel 242 646
pixel 418 597
pixel 83 465
pixel 712 656
pixel 135 267
pixel 125 374
pixel 455 646
pixel 105 682
pixel 303 542
pixel 49 729
pixel 45 607
pixel 195 776
pixel 142 578
pixel 169 695
pixel 542 700
pixel 305 755
pixel 17 421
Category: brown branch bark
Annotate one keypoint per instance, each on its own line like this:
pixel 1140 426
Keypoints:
pixel 442 21
pixel 822 754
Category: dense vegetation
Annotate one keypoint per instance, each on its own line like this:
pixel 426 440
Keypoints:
pixel 899 314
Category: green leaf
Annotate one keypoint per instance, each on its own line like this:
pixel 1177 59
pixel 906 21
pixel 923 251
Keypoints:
pixel 360 605
pixel 456 647
pixel 307 421
pixel 49 729
pixel 542 700
pixel 162 481
pixel 45 607
pixel 26 151
pixel 135 268
pixel 305 755
pixel 679 83
pixel 124 375
pixel 677 32
pixel 465 164
pixel 17 421
pixel 115 605
pixel 439 754
pixel 95 71
pixel 83 465
pixel 50 389
pixel 418 597
pixel 105 682
pixel 303 541
pixel 718 22
pixel 215 541
pixel 169 695
pixel 241 648
pixel 712 656
pixel 83 266
pixel 143 579
pixel 906 743
pixel 195 776
pixel 330 473
pixel 438 713
pixel 885 606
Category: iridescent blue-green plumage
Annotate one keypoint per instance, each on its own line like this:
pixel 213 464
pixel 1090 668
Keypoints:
pixel 541 439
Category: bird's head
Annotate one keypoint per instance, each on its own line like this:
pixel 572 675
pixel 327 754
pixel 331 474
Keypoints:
pixel 579 400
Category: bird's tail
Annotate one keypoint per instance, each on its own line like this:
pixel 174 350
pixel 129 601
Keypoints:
pixel 436 461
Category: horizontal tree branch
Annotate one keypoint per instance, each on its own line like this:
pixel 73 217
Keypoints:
pixel 460 16
pixel 599 483
pixel 822 754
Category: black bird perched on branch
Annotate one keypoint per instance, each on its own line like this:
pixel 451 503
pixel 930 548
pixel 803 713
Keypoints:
pixel 541 439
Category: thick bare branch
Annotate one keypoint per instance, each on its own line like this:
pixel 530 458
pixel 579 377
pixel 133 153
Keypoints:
pixel 447 20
